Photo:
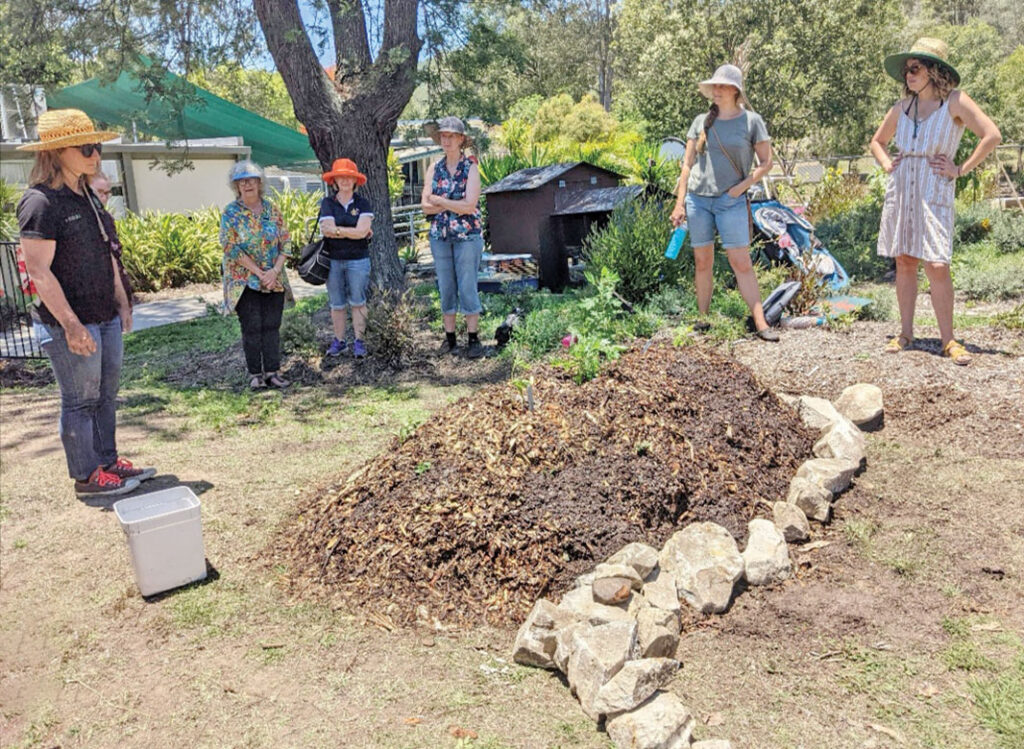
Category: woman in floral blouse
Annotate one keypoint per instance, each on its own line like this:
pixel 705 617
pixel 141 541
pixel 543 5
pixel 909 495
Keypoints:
pixel 256 243
pixel 451 191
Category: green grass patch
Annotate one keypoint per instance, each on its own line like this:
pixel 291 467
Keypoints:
pixel 964 655
pixel 151 353
pixel 999 704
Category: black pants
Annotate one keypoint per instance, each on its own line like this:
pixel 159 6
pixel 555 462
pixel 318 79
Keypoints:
pixel 260 315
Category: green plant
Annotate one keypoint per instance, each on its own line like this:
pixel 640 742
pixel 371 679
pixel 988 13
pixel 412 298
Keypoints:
pixel 585 356
pixel 999 703
pixel 166 250
pixel 390 326
pixel 299 210
pixel 9 196
pixel 1013 319
pixel 298 333
pixel 836 194
pixel 852 237
pixel 408 254
pixel 632 245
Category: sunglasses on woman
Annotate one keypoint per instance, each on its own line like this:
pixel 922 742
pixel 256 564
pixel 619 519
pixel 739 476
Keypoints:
pixel 90 148
pixel 913 69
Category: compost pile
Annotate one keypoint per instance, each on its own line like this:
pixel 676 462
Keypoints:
pixel 490 505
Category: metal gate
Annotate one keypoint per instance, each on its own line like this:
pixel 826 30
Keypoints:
pixel 16 339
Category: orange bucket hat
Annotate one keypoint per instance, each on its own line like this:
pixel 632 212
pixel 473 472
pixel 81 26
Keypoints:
pixel 60 128
pixel 345 168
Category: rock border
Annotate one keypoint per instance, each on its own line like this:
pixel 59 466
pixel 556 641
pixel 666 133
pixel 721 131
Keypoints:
pixel 615 635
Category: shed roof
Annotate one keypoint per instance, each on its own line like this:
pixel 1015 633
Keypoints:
pixel 534 176
pixel 598 200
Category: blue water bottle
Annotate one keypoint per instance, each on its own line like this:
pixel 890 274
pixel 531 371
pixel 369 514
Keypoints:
pixel 675 243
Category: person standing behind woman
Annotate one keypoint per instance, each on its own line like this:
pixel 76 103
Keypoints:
pixel 256 243
pixel 917 216
pixel 84 308
pixel 345 220
pixel 720 149
pixel 451 191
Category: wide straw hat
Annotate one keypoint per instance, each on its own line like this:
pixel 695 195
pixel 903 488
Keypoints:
pixel 728 75
pixel 60 128
pixel 925 48
pixel 449 125
pixel 344 168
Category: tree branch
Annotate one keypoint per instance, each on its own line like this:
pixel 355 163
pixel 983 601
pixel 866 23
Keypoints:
pixel 351 44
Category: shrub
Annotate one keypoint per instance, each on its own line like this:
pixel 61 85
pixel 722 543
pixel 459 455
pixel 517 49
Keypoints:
pixel 166 250
pixel 632 246
pixel 852 237
pixel 984 273
pixel 1013 319
pixel 882 307
pixel 299 210
pixel 298 333
pixel 9 197
pixel 837 193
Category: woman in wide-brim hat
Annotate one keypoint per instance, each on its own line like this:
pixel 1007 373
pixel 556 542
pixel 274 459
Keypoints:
pixel 84 310
pixel 711 193
pixel 451 195
pixel 345 221
pixel 917 216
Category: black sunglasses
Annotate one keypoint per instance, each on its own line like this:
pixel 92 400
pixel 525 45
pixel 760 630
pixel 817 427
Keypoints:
pixel 90 148
pixel 914 69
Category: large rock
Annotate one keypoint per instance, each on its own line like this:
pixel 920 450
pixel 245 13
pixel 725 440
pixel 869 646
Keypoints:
pixel 612 590
pixel 535 643
pixel 766 558
pixel 816 413
pixel 565 642
pixel 791 522
pixel 833 474
pixel 841 440
pixel 580 603
pixel 657 632
pixel 660 590
pixel 641 557
pixel 607 569
pixel 662 722
pixel 815 501
pixel 862 404
pixel 635 682
pixel 706 564
pixel 597 655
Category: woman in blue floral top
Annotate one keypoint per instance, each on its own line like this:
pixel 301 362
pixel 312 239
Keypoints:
pixel 451 191
pixel 256 243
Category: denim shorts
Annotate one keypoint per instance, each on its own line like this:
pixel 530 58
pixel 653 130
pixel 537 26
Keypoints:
pixel 728 214
pixel 457 263
pixel 347 283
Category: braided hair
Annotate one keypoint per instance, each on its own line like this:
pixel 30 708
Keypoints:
pixel 702 144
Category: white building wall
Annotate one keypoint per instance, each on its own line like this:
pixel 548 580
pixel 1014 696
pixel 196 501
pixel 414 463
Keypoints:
pixel 201 187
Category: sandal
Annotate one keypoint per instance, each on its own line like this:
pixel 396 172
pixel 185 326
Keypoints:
pixel 897 344
pixel 257 383
pixel 956 351
pixel 277 381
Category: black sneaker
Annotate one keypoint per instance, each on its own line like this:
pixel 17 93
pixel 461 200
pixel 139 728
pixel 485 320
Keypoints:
pixel 475 349
pixel 447 349
pixel 104 484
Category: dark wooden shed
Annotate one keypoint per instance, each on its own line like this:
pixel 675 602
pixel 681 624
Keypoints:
pixel 521 210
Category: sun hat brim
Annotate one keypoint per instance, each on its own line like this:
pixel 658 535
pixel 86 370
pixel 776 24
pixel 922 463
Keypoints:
pixel 894 64
pixel 78 139
pixel 707 87
pixel 434 131
pixel 246 175
pixel 360 178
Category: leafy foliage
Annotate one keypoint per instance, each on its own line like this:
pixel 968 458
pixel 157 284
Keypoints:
pixel 165 250
pixel 8 216
pixel 632 246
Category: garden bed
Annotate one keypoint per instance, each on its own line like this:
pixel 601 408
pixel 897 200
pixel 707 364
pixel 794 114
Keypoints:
pixel 491 505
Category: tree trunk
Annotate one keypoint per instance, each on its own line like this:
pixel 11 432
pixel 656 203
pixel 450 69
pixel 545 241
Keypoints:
pixel 353 116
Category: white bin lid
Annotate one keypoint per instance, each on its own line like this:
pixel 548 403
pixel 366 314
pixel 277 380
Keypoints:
pixel 148 510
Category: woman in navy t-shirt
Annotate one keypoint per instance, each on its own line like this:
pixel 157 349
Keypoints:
pixel 345 221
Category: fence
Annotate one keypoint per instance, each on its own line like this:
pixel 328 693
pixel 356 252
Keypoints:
pixel 408 222
pixel 16 339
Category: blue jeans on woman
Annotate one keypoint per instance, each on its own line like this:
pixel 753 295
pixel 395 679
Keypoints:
pixel 456 263
pixel 88 396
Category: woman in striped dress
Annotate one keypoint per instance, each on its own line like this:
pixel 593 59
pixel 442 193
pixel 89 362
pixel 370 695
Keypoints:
pixel 917 217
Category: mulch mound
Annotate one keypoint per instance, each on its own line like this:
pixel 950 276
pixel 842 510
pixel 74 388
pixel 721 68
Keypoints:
pixel 491 505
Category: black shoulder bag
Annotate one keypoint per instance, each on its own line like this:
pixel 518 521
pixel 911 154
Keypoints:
pixel 314 265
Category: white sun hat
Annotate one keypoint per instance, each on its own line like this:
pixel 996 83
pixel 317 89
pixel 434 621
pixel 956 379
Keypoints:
pixel 729 75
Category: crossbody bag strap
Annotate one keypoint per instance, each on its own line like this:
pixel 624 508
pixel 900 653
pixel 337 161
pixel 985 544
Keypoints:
pixel 750 214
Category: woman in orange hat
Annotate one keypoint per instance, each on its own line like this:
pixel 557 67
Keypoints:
pixel 345 219
pixel 84 308
pixel 917 215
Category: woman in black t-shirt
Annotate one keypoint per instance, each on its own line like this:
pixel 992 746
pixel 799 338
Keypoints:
pixel 68 255
pixel 345 220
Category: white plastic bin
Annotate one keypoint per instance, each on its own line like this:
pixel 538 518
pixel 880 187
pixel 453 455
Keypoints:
pixel 165 535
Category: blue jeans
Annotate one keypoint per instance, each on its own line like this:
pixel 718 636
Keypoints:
pixel 347 283
pixel 88 396
pixel 728 214
pixel 456 263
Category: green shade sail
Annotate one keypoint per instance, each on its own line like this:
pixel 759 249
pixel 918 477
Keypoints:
pixel 123 100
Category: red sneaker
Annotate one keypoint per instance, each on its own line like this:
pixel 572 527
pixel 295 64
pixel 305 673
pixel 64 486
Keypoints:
pixel 103 484
pixel 123 469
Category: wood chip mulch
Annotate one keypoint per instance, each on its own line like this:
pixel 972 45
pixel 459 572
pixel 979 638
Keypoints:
pixel 489 505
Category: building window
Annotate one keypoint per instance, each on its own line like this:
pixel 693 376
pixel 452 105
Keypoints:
pixel 593 180
pixel 561 183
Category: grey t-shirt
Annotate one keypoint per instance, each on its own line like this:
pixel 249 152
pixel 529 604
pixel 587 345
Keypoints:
pixel 712 174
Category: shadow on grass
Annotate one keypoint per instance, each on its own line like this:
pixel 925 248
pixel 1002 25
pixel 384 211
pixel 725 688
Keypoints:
pixel 155 484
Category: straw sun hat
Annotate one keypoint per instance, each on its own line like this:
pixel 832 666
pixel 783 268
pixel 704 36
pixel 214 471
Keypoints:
pixel 925 48
pixel 60 128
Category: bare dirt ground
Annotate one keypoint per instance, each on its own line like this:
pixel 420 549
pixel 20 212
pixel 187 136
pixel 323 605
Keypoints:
pixel 913 594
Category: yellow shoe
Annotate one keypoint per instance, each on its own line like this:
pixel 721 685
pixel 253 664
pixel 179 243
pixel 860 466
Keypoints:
pixel 897 344
pixel 956 351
